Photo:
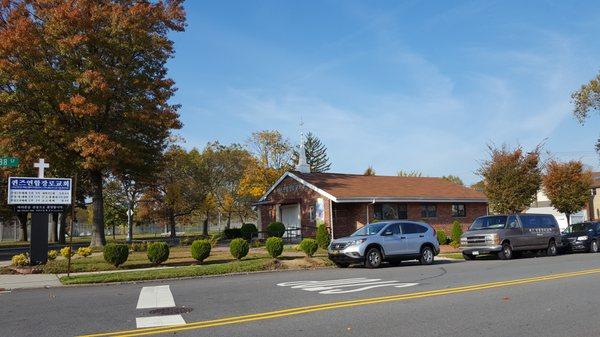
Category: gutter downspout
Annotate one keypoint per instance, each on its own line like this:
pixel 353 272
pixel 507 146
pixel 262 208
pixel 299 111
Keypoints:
pixel 331 217
pixel 372 203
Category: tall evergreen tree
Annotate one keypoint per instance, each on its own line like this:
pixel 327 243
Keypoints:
pixel 316 154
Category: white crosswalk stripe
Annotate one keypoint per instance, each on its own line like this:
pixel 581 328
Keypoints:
pixel 341 286
pixel 149 322
pixel 154 298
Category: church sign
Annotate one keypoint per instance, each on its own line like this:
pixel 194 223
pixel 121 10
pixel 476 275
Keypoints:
pixel 39 191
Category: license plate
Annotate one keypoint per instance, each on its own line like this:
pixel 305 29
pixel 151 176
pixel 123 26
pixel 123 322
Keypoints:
pixel 475 253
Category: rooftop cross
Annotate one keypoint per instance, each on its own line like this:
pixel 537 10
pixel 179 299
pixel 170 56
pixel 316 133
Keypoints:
pixel 41 165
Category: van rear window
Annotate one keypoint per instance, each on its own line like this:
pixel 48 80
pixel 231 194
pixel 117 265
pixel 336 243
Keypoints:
pixel 489 222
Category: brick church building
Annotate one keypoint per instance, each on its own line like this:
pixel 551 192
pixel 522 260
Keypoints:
pixel 346 202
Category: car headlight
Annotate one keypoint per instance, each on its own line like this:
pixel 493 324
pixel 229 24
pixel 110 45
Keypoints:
pixel 463 240
pixel 494 238
pixel 356 242
pixel 582 238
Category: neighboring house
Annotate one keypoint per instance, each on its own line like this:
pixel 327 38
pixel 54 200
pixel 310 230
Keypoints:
pixel 346 202
pixel 594 207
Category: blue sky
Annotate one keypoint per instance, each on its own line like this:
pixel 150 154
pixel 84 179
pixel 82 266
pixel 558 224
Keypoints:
pixel 411 85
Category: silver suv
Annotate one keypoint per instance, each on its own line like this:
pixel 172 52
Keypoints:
pixel 391 241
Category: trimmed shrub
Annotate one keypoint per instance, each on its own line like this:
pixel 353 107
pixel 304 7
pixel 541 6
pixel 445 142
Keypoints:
pixel 232 233
pixel 441 236
pixel 456 232
pixel 323 238
pixel 248 231
pixel 52 254
pixel 276 229
pixel 309 247
pixel 139 246
pixel 239 248
pixel 201 250
pixel 274 246
pixel 84 251
pixel 65 251
pixel 158 252
pixel 116 254
pixel 20 260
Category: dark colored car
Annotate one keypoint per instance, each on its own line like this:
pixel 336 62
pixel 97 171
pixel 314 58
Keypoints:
pixel 584 236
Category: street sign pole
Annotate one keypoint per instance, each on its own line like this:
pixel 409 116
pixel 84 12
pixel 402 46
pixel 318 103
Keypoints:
pixel 73 220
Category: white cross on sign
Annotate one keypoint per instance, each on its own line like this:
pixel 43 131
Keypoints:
pixel 41 166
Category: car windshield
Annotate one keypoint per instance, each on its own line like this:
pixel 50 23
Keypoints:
pixel 488 222
pixel 579 227
pixel 371 229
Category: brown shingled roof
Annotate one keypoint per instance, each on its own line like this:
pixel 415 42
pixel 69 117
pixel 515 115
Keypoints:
pixel 353 186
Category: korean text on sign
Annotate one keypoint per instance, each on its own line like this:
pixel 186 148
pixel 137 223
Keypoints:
pixel 39 191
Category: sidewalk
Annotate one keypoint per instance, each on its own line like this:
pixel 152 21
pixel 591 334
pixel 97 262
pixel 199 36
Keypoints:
pixel 11 282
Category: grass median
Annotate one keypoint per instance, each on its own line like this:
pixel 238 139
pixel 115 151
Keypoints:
pixel 241 266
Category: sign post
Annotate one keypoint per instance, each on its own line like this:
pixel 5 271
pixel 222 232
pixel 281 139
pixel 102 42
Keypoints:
pixel 39 196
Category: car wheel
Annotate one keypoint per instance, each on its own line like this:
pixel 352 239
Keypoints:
pixel 469 257
pixel 594 246
pixel 426 255
pixel 373 258
pixel 342 265
pixel 506 253
pixel 552 250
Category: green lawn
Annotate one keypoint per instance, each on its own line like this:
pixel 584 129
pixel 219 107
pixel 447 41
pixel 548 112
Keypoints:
pixel 457 256
pixel 253 264
pixel 242 266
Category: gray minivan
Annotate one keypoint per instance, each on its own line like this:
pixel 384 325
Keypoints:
pixel 505 234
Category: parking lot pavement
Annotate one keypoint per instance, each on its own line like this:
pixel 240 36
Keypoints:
pixel 115 307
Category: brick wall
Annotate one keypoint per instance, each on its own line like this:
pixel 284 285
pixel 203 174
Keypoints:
pixel 290 191
pixel 351 216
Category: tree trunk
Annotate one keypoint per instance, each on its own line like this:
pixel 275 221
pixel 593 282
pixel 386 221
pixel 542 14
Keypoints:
pixel 568 219
pixel 172 225
pixel 98 237
pixel 130 223
pixel 228 224
pixel 63 228
pixel 23 221
pixel 205 226
pixel 54 228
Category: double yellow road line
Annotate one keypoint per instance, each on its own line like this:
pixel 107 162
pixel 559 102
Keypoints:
pixel 338 305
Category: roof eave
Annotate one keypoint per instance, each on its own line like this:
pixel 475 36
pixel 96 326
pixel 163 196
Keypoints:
pixel 405 199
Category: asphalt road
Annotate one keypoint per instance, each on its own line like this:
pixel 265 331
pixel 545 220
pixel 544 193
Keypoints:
pixel 544 296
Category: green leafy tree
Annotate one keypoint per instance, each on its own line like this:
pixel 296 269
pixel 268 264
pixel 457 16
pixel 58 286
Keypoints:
pixel 316 154
pixel 568 186
pixel 512 178
pixel 115 208
pixel 586 100
pixel 179 189
pixel 85 83
pixel 454 179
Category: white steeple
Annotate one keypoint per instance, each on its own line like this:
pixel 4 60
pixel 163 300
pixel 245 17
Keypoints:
pixel 302 166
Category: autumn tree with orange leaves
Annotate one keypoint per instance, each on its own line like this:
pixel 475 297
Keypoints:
pixel 83 83
pixel 568 186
